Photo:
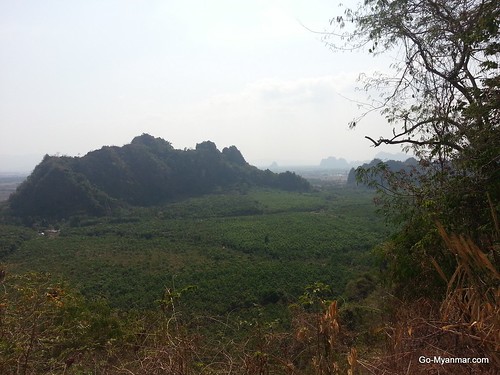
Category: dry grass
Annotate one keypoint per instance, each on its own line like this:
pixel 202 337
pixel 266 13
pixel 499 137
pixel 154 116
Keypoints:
pixel 466 324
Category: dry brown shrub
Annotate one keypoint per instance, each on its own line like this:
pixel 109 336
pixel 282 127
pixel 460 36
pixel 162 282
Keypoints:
pixel 466 324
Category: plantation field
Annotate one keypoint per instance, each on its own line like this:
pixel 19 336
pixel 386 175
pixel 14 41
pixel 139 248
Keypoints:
pixel 236 253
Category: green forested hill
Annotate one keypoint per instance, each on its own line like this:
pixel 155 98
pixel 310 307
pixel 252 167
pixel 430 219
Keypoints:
pixel 146 172
pixel 374 167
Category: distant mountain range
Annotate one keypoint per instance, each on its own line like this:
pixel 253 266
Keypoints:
pixel 148 171
pixel 399 156
pixel 392 165
pixel 333 163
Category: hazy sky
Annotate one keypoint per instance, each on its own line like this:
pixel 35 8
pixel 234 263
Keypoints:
pixel 77 75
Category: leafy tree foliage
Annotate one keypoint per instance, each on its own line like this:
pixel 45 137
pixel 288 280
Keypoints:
pixel 442 98
pixel 55 190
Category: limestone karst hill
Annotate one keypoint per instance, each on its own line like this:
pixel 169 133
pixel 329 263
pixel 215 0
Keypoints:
pixel 146 172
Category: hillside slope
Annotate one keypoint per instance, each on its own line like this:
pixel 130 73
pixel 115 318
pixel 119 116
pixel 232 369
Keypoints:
pixel 146 172
pixel 375 165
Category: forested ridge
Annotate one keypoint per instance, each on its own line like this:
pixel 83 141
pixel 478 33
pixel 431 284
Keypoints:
pixel 146 172
pixel 408 166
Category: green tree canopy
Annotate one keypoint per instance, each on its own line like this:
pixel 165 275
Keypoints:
pixel 441 99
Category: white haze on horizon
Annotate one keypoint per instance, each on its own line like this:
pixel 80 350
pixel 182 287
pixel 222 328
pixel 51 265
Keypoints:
pixel 79 75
